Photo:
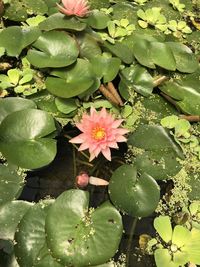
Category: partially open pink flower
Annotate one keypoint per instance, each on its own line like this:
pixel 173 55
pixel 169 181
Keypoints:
pixel 100 132
pixel 78 8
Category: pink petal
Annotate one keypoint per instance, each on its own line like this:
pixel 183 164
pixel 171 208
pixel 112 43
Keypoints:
pixel 103 113
pixel 122 131
pixel 92 156
pixel 117 123
pixel 77 140
pixel 113 145
pixel 83 146
pixel 80 126
pixel 121 138
pixel 97 181
pixel 107 154
pixel 97 151
pixel 92 111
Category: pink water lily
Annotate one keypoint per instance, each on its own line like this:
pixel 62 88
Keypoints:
pixel 100 132
pixel 78 8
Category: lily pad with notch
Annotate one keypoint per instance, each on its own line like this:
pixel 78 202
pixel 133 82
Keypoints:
pixel 71 81
pixel 53 49
pixel 158 152
pixel 135 195
pixel 82 236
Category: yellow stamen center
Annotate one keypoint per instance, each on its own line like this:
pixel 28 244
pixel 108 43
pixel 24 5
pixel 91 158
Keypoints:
pixel 98 133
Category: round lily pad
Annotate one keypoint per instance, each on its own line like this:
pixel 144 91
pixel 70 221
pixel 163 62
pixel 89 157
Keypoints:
pixel 24 141
pixel 53 49
pixel 11 104
pixel 78 236
pixel 133 195
pixel 71 81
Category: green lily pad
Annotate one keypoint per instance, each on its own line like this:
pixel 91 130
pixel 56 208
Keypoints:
pixel 54 49
pixel 161 55
pixel 66 105
pixel 14 39
pixel 24 141
pixel 135 196
pixel 163 226
pixel 99 4
pixel 11 104
pixel 10 184
pixel 46 101
pixel 141 51
pixel 71 81
pixel 98 19
pixel 138 79
pixel 106 67
pixel 82 237
pixel 186 61
pixel 186 93
pixel 124 9
pixel 24 8
pixel 31 238
pixel 11 214
pixel 159 151
pixel 61 21
pixel 121 51
pixel 88 45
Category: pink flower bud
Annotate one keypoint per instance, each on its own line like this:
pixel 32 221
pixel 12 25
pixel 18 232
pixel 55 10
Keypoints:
pixel 82 180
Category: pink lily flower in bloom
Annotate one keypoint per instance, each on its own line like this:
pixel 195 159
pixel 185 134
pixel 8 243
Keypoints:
pixel 100 132
pixel 78 8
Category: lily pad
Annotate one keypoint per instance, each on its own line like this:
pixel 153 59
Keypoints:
pixel 138 79
pixel 98 19
pixel 10 184
pixel 31 230
pixel 186 61
pixel 88 45
pixel 141 51
pixel 161 55
pixel 131 194
pixel 82 236
pixel 24 138
pixel 186 93
pixel 14 39
pixel 11 104
pixel 24 8
pixel 66 105
pixel 11 214
pixel 71 81
pixel 54 49
pixel 121 51
pixel 106 67
pixel 60 21
pixel 159 152
pixel 46 101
